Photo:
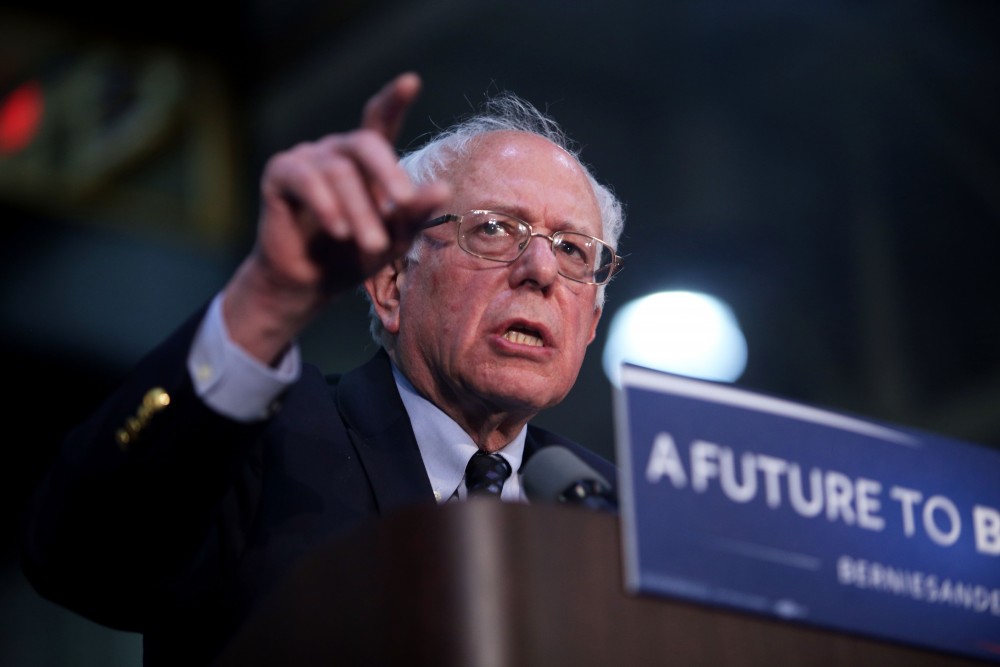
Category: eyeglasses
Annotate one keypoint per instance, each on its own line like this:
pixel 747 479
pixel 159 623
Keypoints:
pixel 500 237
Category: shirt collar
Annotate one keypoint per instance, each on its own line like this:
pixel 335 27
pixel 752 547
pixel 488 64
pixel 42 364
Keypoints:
pixel 446 449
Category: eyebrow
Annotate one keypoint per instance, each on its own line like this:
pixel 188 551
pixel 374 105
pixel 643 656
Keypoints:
pixel 519 212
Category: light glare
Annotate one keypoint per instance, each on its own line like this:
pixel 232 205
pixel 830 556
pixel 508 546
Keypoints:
pixel 681 332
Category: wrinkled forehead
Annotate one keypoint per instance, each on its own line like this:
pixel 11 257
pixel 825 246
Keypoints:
pixel 526 172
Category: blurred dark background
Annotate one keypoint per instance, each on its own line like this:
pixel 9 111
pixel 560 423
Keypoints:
pixel 831 169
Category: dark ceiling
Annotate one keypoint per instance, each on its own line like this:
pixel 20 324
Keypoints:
pixel 831 169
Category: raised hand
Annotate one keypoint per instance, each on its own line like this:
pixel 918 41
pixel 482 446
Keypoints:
pixel 333 212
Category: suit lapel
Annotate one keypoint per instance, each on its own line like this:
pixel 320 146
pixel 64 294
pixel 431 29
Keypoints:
pixel 532 443
pixel 382 436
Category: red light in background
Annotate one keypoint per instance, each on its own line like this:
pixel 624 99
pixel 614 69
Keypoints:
pixel 20 115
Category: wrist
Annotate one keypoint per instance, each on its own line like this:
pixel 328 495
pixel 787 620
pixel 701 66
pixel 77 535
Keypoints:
pixel 262 315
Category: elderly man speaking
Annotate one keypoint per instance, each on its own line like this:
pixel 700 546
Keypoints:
pixel 223 457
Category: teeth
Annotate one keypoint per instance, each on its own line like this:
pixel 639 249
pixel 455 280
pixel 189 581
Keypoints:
pixel 522 338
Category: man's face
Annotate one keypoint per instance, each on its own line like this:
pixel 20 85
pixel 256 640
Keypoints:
pixel 477 335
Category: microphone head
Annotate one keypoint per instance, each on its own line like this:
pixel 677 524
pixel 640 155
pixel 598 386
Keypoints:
pixel 555 474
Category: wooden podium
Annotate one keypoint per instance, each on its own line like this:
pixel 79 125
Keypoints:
pixel 484 584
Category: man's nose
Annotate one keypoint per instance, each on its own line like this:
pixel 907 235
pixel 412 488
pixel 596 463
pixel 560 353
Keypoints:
pixel 537 262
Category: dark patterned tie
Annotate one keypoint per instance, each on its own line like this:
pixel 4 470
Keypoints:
pixel 485 474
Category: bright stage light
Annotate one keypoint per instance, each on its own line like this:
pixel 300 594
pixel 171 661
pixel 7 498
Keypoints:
pixel 681 332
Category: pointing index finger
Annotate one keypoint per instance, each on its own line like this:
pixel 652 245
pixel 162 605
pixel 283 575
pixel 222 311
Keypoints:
pixel 386 110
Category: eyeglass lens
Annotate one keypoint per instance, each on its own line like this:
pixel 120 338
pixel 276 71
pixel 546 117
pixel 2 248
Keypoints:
pixel 502 238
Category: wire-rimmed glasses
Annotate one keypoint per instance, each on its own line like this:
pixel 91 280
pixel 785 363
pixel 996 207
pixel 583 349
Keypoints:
pixel 501 237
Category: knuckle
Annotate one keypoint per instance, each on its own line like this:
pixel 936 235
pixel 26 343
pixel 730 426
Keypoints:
pixel 339 167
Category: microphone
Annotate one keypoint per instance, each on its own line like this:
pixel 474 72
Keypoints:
pixel 556 474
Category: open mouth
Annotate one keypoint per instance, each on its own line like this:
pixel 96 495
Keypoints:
pixel 523 336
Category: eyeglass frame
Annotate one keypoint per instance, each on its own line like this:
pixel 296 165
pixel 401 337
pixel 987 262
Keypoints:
pixel 616 260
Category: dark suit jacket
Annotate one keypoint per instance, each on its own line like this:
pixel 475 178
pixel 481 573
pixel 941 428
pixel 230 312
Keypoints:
pixel 165 518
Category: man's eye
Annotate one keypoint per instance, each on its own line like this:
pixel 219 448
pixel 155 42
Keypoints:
pixel 571 250
pixel 494 228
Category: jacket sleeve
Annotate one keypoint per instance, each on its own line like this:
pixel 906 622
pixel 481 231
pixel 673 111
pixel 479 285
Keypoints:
pixel 146 497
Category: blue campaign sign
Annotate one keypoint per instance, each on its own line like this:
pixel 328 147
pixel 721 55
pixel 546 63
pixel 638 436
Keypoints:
pixel 752 502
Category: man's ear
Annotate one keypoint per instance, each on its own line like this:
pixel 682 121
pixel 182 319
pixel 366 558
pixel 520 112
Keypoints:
pixel 384 293
pixel 593 325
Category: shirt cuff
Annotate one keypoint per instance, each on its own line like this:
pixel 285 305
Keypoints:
pixel 229 380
